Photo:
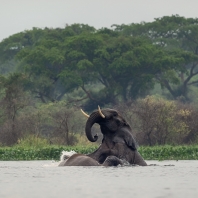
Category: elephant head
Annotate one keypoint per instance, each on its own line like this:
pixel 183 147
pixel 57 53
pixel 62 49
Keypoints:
pixel 113 127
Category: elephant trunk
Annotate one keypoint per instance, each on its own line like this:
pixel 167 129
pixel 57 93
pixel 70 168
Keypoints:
pixel 94 118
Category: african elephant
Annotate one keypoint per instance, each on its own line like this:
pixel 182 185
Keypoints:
pixel 83 160
pixel 117 137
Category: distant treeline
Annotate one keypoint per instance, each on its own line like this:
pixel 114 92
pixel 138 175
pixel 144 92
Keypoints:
pixel 47 73
pixel 124 62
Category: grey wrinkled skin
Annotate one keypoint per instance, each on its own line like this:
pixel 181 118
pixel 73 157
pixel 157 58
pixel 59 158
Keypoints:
pixel 117 138
pixel 84 160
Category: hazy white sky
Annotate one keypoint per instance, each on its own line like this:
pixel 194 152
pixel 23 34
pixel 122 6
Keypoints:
pixel 19 15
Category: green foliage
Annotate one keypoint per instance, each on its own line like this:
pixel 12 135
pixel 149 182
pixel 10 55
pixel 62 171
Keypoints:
pixel 85 67
pixel 33 142
pixel 57 122
pixel 168 152
pixel 157 121
pixel 59 61
pixel 43 153
pixel 53 152
pixel 162 121
pixel 177 35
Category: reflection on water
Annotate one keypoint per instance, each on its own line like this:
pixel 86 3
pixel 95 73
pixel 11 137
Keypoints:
pixel 33 179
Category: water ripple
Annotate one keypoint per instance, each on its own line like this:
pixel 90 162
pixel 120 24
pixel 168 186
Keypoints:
pixel 34 179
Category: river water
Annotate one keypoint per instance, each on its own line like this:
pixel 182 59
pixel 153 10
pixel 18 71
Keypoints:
pixel 40 179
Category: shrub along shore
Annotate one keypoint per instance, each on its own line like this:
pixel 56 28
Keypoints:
pixel 188 152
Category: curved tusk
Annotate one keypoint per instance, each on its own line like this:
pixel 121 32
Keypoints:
pixel 100 112
pixel 84 113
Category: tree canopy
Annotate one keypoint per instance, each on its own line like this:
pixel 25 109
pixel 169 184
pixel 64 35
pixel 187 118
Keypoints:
pixel 105 65
pixel 179 35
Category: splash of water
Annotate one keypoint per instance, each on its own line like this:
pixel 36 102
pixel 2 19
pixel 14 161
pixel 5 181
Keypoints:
pixel 66 154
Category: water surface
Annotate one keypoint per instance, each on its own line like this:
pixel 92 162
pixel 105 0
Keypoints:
pixel 33 179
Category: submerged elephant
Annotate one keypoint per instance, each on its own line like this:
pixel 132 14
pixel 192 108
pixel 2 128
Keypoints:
pixel 75 159
pixel 117 137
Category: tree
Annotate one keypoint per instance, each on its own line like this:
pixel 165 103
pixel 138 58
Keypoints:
pixel 172 33
pixel 127 66
pixel 42 58
pixel 13 100
pixel 125 63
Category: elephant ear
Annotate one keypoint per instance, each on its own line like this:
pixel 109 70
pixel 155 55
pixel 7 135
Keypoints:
pixel 124 136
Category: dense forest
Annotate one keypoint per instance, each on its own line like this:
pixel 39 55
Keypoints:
pixel 47 75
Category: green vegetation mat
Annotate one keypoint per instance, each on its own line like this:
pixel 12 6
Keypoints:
pixel 189 152
pixel 45 153
pixel 54 152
